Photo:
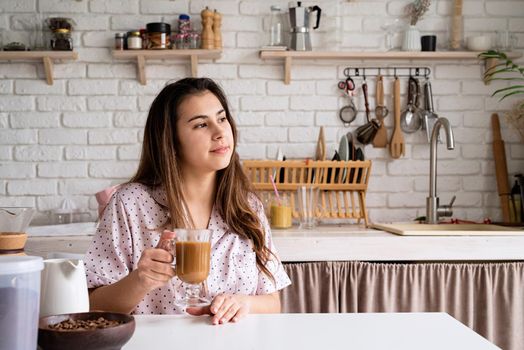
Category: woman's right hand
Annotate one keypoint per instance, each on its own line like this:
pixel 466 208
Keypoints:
pixel 154 268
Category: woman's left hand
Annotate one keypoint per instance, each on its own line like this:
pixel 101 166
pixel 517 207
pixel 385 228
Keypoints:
pixel 224 308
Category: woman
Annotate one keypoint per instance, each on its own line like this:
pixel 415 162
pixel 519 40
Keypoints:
pixel 189 176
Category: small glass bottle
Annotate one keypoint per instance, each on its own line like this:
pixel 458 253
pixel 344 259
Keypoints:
pixel 180 41
pixel 134 41
pixel 194 40
pixel 143 34
pixel 184 23
pixel 275 26
pixel 119 41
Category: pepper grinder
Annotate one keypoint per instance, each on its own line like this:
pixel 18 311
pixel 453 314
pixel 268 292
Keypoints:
pixel 217 24
pixel 208 39
pixel 457 26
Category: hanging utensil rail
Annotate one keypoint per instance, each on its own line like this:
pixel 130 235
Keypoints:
pixel 387 71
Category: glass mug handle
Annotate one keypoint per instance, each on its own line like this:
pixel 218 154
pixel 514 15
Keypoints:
pixel 167 242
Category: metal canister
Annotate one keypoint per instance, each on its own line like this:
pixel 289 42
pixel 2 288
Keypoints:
pixel 119 41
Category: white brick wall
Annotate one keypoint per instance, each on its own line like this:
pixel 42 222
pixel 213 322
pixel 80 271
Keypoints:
pixel 84 132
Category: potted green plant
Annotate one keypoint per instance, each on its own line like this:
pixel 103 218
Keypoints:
pixel 506 70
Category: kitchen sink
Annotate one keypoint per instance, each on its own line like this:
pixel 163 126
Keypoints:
pixel 414 229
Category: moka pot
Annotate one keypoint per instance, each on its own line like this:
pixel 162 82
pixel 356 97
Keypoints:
pixel 299 20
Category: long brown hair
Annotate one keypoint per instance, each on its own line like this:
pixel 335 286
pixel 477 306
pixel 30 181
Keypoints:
pixel 160 166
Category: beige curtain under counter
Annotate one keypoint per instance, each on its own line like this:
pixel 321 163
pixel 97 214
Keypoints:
pixel 487 297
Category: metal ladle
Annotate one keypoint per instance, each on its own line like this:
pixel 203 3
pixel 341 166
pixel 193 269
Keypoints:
pixel 410 120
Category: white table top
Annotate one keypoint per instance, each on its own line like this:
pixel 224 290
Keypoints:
pixel 361 331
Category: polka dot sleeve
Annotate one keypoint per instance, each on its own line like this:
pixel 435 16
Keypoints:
pixel 274 265
pixel 108 258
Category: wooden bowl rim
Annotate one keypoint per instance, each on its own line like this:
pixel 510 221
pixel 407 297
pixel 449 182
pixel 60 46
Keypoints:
pixel 13 234
pixel 43 322
pixel 12 240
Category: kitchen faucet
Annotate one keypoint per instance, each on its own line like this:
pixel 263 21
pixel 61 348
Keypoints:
pixel 433 209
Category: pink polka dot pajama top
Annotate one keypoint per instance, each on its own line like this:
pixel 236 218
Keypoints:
pixel 132 222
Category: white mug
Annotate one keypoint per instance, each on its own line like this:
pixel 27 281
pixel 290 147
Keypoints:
pixel 63 288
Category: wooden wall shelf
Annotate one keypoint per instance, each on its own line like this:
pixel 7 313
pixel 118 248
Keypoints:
pixel 142 55
pixel 288 56
pixel 47 58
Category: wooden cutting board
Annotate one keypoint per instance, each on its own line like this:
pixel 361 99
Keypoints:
pixel 501 168
pixel 321 146
pixel 408 229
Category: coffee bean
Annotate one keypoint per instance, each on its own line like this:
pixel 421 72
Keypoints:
pixel 80 325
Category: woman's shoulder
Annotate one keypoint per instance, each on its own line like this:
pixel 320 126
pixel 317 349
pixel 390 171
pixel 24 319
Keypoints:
pixel 144 195
pixel 132 190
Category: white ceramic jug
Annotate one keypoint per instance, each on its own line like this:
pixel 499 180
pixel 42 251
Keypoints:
pixel 63 288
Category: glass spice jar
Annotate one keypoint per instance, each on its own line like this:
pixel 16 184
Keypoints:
pixel 119 41
pixel 61 40
pixel 184 23
pixel 143 34
pixel 194 40
pixel 134 41
pixel 181 41
pixel 158 35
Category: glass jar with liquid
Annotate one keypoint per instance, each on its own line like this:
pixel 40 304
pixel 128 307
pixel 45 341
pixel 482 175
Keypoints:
pixel 281 213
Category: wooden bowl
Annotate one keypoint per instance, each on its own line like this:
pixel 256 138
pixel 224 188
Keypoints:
pixel 110 338
pixel 12 241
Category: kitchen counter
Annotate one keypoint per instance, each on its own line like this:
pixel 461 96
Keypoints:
pixel 324 243
pixel 345 269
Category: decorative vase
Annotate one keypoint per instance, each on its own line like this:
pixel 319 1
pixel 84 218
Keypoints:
pixel 411 40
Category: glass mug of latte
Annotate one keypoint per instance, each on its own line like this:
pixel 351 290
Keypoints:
pixel 191 249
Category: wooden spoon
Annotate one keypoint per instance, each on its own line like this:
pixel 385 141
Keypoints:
pixel 381 137
pixel 396 144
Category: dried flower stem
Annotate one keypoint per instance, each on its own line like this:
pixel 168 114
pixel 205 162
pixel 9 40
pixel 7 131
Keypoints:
pixel 416 10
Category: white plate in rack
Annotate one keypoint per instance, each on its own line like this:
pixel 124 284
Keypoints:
pixel 343 152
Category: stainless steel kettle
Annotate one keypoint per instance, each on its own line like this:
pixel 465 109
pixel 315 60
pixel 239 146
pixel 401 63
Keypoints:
pixel 299 20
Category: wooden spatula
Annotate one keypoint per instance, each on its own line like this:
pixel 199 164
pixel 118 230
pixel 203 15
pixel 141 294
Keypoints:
pixel 396 144
pixel 381 137
pixel 501 168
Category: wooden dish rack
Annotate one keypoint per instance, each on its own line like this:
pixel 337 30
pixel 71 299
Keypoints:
pixel 342 184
